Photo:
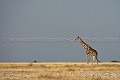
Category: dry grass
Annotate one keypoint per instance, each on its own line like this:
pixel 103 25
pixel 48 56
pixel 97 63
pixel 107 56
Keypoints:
pixel 59 71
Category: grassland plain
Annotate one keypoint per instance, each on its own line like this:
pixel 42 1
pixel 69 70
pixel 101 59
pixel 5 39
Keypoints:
pixel 60 71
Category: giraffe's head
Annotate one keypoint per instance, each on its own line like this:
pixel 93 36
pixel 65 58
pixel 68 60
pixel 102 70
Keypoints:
pixel 77 38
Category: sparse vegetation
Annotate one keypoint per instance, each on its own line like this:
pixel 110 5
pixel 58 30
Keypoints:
pixel 59 71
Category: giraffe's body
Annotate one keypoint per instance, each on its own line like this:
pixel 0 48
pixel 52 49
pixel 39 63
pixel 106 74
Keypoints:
pixel 89 50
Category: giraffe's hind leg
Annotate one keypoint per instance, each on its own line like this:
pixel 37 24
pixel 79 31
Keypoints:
pixel 93 59
pixel 97 60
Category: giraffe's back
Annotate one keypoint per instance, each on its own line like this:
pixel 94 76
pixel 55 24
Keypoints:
pixel 93 52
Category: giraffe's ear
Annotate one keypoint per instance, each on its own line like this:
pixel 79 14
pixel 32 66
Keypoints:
pixel 78 36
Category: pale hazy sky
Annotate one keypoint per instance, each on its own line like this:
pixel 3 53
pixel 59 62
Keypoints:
pixel 56 23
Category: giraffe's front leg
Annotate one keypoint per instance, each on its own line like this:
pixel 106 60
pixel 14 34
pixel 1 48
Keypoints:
pixel 87 58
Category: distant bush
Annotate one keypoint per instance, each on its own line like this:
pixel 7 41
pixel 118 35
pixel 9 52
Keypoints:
pixel 35 61
pixel 115 61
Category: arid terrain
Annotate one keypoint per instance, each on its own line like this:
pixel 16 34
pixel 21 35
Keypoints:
pixel 60 71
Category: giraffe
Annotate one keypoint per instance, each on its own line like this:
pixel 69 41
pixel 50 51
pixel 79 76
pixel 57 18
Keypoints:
pixel 89 51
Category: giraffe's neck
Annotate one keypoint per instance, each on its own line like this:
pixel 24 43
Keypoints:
pixel 85 45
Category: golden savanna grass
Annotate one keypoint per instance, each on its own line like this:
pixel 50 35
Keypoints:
pixel 59 71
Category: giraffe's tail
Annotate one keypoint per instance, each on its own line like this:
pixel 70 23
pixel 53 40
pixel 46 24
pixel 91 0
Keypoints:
pixel 98 60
